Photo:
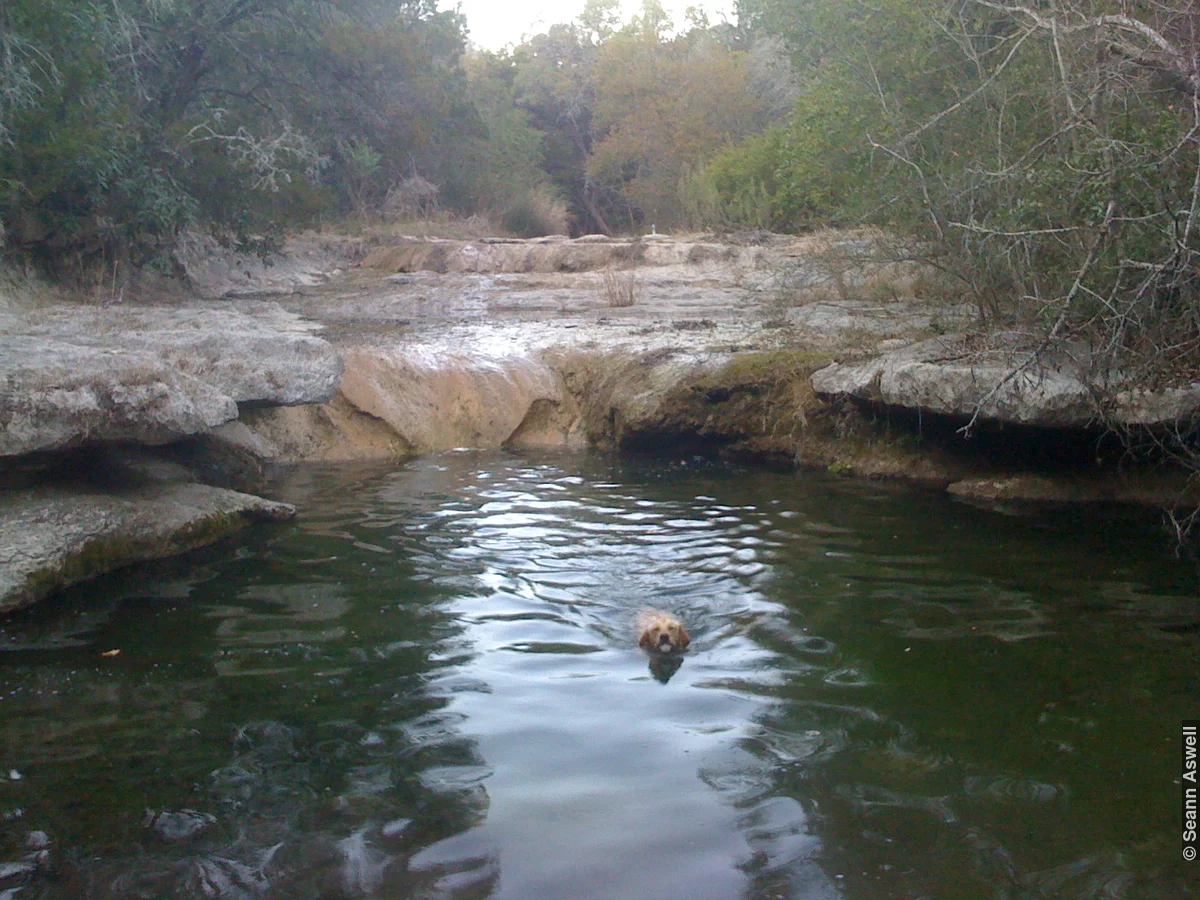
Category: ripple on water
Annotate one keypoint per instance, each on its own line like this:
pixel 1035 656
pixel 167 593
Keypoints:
pixel 1011 789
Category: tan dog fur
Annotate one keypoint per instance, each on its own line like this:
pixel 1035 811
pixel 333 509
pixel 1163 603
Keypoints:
pixel 661 632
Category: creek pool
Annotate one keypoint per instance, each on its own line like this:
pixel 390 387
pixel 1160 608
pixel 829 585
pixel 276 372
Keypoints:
pixel 428 686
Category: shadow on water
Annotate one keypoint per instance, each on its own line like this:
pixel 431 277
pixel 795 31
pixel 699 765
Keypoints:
pixel 429 686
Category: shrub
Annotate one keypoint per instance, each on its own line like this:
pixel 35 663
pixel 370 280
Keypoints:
pixel 537 214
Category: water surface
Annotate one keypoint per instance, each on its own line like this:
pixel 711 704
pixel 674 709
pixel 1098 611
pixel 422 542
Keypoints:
pixel 429 686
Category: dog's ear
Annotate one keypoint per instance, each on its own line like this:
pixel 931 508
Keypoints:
pixel 684 638
pixel 645 641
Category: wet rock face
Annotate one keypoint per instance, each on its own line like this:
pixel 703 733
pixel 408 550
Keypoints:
pixel 76 374
pixel 81 385
pixel 400 401
pixel 746 406
pixel 439 401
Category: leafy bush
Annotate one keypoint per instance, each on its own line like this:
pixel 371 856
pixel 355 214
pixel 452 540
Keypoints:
pixel 536 214
pixel 123 123
pixel 738 188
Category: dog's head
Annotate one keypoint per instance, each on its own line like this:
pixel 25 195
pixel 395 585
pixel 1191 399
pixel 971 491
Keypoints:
pixel 663 634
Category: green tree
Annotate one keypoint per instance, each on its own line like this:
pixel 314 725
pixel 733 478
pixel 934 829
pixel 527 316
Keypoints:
pixel 126 121
pixel 661 110
pixel 502 163
pixel 553 83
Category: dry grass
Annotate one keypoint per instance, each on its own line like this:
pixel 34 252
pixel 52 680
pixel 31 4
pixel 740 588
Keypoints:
pixel 620 289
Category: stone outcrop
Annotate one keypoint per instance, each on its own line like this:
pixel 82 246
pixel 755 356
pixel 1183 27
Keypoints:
pixel 55 536
pixel 847 320
pixel 442 400
pixel 56 394
pixel 302 261
pixel 711 346
pixel 72 374
pixel 751 404
pixel 79 382
pixel 552 254
pixel 952 376
pixel 755 406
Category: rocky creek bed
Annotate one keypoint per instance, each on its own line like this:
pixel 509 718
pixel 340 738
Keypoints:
pixel 131 430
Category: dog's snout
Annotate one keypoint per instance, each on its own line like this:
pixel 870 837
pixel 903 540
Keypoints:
pixel 664 638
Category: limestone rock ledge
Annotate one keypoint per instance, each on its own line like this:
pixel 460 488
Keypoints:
pixel 52 537
pixel 556 253
pixel 56 394
pixel 72 374
pixel 952 377
pixel 81 387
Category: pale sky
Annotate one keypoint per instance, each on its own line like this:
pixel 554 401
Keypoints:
pixel 496 23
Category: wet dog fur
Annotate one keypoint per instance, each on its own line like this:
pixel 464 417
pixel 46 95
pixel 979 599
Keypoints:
pixel 660 632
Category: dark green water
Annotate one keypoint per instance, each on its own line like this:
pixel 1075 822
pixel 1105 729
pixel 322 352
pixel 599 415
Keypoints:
pixel 429 686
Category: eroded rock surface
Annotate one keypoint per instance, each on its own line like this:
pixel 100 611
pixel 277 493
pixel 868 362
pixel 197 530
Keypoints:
pixel 954 376
pixel 650 344
pixel 523 343
pixel 441 400
pixel 56 394
pixel 71 374
pixel 845 321
pixel 403 399
pixel 559 254
pixel 303 261
pixel 946 376
pixel 79 382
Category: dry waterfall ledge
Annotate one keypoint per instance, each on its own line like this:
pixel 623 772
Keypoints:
pixel 123 428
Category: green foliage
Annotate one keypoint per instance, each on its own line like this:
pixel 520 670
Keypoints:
pixel 534 215
pixel 500 165
pixel 663 108
pixel 1045 155
pixel 866 72
pixel 738 188
pixel 124 122
pixel 359 168
pixel 552 82
pixel 824 167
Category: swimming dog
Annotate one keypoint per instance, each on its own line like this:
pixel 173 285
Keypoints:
pixel 661 632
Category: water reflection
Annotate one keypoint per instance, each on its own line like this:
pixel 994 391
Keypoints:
pixel 429 686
